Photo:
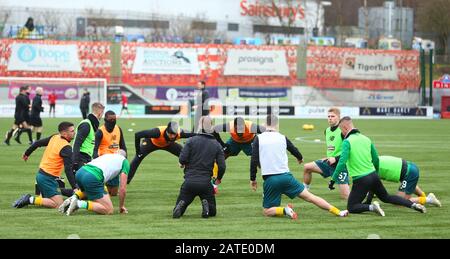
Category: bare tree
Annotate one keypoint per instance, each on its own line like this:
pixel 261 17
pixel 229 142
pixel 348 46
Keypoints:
pixel 204 29
pixel 51 20
pixel 288 21
pixel 278 6
pixel 279 17
pixel 181 27
pixel 70 27
pixel 433 17
pixel 157 32
pixel 5 13
pixel 103 28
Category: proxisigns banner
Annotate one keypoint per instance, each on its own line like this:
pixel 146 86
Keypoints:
pixel 166 61
pixel 44 57
pixel 256 63
pixel 374 67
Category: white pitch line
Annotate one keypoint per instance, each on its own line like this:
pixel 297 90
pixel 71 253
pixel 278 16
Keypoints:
pixel 303 139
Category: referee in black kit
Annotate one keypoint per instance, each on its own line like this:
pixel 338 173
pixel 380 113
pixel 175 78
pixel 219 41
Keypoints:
pixel 197 158
pixel 21 116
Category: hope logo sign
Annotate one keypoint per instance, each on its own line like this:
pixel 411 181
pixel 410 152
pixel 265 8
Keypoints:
pixel 27 53
pixel 44 57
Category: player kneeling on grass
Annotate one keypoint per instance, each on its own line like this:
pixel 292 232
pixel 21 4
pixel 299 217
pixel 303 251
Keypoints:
pixel 326 166
pixel 92 178
pixel 394 169
pixel 197 158
pixel 269 152
pixel 57 154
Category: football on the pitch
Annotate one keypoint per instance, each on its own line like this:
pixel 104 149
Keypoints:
pixel 308 126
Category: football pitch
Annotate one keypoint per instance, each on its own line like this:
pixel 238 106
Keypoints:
pixel 152 194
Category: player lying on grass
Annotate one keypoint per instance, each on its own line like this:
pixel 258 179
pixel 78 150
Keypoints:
pixel 394 169
pixel 57 154
pixel 92 177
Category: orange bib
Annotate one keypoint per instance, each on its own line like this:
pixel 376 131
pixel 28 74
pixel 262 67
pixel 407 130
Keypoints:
pixel 110 141
pixel 161 141
pixel 246 137
pixel 52 163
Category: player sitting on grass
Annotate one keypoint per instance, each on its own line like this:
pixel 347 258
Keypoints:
pixel 269 152
pixel 326 166
pixel 57 154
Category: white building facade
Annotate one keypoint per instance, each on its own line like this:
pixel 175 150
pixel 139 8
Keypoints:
pixel 226 19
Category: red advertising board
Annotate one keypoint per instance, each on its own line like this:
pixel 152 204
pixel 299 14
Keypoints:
pixel 445 107
pixel 324 66
pixel 443 82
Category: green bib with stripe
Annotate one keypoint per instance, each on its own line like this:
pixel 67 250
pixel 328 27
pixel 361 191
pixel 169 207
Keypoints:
pixel 334 142
pixel 89 143
pixel 359 162
pixel 390 168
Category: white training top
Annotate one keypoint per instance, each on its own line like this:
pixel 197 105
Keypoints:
pixel 110 164
pixel 272 153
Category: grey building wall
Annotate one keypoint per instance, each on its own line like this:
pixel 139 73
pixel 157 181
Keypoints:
pixel 401 26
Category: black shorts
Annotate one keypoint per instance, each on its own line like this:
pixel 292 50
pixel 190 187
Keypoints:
pixel 19 120
pixel 124 107
pixel 36 121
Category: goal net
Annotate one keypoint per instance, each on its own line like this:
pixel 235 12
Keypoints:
pixel 68 93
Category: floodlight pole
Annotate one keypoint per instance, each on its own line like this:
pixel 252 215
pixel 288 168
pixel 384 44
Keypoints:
pixel 430 100
pixel 422 76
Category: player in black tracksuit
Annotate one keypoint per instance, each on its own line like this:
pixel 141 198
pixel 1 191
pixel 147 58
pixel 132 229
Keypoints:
pixel 84 103
pixel 201 104
pixel 197 158
pixel 21 116
pixel 35 115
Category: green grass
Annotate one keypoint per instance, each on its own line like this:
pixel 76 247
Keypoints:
pixel 152 194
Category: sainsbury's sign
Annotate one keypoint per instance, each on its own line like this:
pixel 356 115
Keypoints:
pixel 271 10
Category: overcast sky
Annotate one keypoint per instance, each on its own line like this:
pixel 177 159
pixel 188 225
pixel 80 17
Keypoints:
pixel 150 6
pixel 142 5
pixel 218 10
